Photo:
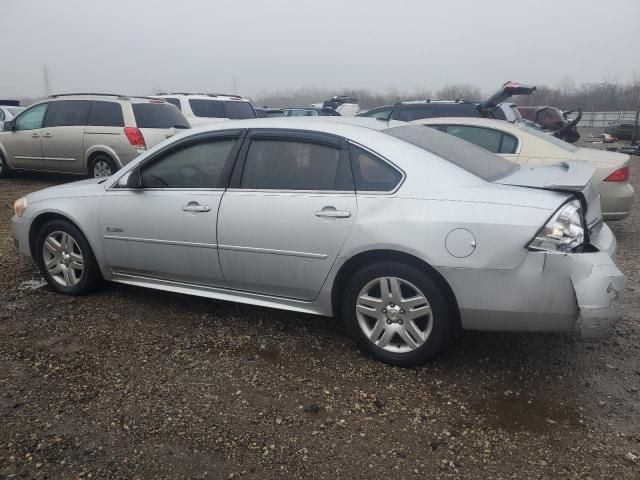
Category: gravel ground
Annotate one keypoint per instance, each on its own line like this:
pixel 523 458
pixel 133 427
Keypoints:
pixel 133 383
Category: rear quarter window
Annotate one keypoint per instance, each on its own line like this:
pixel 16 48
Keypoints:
pixel 158 115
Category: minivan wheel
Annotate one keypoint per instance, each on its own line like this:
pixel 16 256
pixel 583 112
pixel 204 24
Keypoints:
pixel 102 166
pixel 397 313
pixel 66 259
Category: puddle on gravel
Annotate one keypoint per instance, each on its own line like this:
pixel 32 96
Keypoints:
pixel 512 412
pixel 32 284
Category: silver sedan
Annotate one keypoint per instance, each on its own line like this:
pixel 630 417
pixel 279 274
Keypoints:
pixel 405 232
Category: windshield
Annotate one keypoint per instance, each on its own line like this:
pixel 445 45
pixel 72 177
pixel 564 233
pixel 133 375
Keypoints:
pixel 551 139
pixel 158 115
pixel 465 155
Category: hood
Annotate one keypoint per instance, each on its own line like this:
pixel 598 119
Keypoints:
pixel 81 188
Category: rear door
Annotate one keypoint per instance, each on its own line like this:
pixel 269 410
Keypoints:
pixel 63 135
pixel 23 143
pixel 283 222
pixel 158 121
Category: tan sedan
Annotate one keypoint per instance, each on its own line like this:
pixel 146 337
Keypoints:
pixel 528 146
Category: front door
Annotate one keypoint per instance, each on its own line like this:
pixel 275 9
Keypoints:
pixel 283 224
pixel 23 143
pixel 63 135
pixel 167 228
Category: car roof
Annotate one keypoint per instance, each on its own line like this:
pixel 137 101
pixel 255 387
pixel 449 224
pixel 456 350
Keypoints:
pixel 476 121
pixel 101 96
pixel 205 96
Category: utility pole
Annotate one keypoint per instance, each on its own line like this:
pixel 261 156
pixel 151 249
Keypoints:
pixel 47 86
pixel 634 138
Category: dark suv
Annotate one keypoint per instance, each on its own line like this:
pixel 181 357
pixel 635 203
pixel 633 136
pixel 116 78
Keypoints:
pixel 408 111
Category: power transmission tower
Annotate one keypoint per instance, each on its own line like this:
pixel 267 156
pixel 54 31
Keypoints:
pixel 45 74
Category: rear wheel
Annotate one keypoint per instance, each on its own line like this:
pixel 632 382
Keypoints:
pixel 398 313
pixel 102 166
pixel 66 259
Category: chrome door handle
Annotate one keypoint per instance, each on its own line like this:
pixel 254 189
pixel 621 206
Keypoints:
pixel 47 135
pixel 333 213
pixel 194 207
pixel 34 135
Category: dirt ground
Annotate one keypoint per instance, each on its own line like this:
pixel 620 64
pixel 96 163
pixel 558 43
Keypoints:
pixel 134 383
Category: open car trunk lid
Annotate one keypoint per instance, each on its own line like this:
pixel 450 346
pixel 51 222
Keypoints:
pixel 570 177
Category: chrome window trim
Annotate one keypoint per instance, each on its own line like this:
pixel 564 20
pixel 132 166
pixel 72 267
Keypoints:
pixel 388 162
pixel 275 191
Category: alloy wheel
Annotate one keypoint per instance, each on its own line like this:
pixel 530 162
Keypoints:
pixel 394 314
pixel 63 258
pixel 102 169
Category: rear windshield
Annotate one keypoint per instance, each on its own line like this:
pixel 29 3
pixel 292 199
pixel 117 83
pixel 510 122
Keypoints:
pixel 465 155
pixel 158 115
pixel 222 109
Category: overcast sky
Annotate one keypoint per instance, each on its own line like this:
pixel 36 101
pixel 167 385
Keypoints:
pixel 136 46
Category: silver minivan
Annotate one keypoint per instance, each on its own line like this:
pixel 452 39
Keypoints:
pixel 88 134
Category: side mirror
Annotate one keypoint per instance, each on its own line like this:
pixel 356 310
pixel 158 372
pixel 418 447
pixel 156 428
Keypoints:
pixel 8 125
pixel 130 180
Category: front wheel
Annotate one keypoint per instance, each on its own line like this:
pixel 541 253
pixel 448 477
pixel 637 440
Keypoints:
pixel 398 313
pixel 65 258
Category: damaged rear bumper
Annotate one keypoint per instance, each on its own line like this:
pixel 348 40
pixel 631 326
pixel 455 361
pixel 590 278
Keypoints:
pixel 548 292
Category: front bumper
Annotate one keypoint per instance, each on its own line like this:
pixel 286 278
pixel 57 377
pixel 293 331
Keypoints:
pixel 20 233
pixel 548 292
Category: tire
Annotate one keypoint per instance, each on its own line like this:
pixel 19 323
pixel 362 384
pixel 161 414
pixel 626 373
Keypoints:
pixel 102 165
pixel 5 171
pixel 404 330
pixel 66 260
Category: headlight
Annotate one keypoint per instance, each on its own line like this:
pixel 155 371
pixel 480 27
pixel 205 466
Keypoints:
pixel 19 206
pixel 563 232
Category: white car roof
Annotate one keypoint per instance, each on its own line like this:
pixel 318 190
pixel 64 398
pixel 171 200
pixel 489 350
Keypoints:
pixel 204 96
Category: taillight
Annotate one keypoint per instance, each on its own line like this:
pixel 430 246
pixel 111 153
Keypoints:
pixel 620 175
pixel 134 135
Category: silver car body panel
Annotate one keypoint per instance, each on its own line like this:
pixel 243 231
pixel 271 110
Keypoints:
pixel 268 259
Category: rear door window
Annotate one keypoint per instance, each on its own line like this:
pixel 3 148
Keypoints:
pixel 158 115
pixel 295 165
pixel 67 113
pixel 493 140
pixel 458 110
pixel 105 114
pixel 239 110
pixel 207 108
pixel 371 173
